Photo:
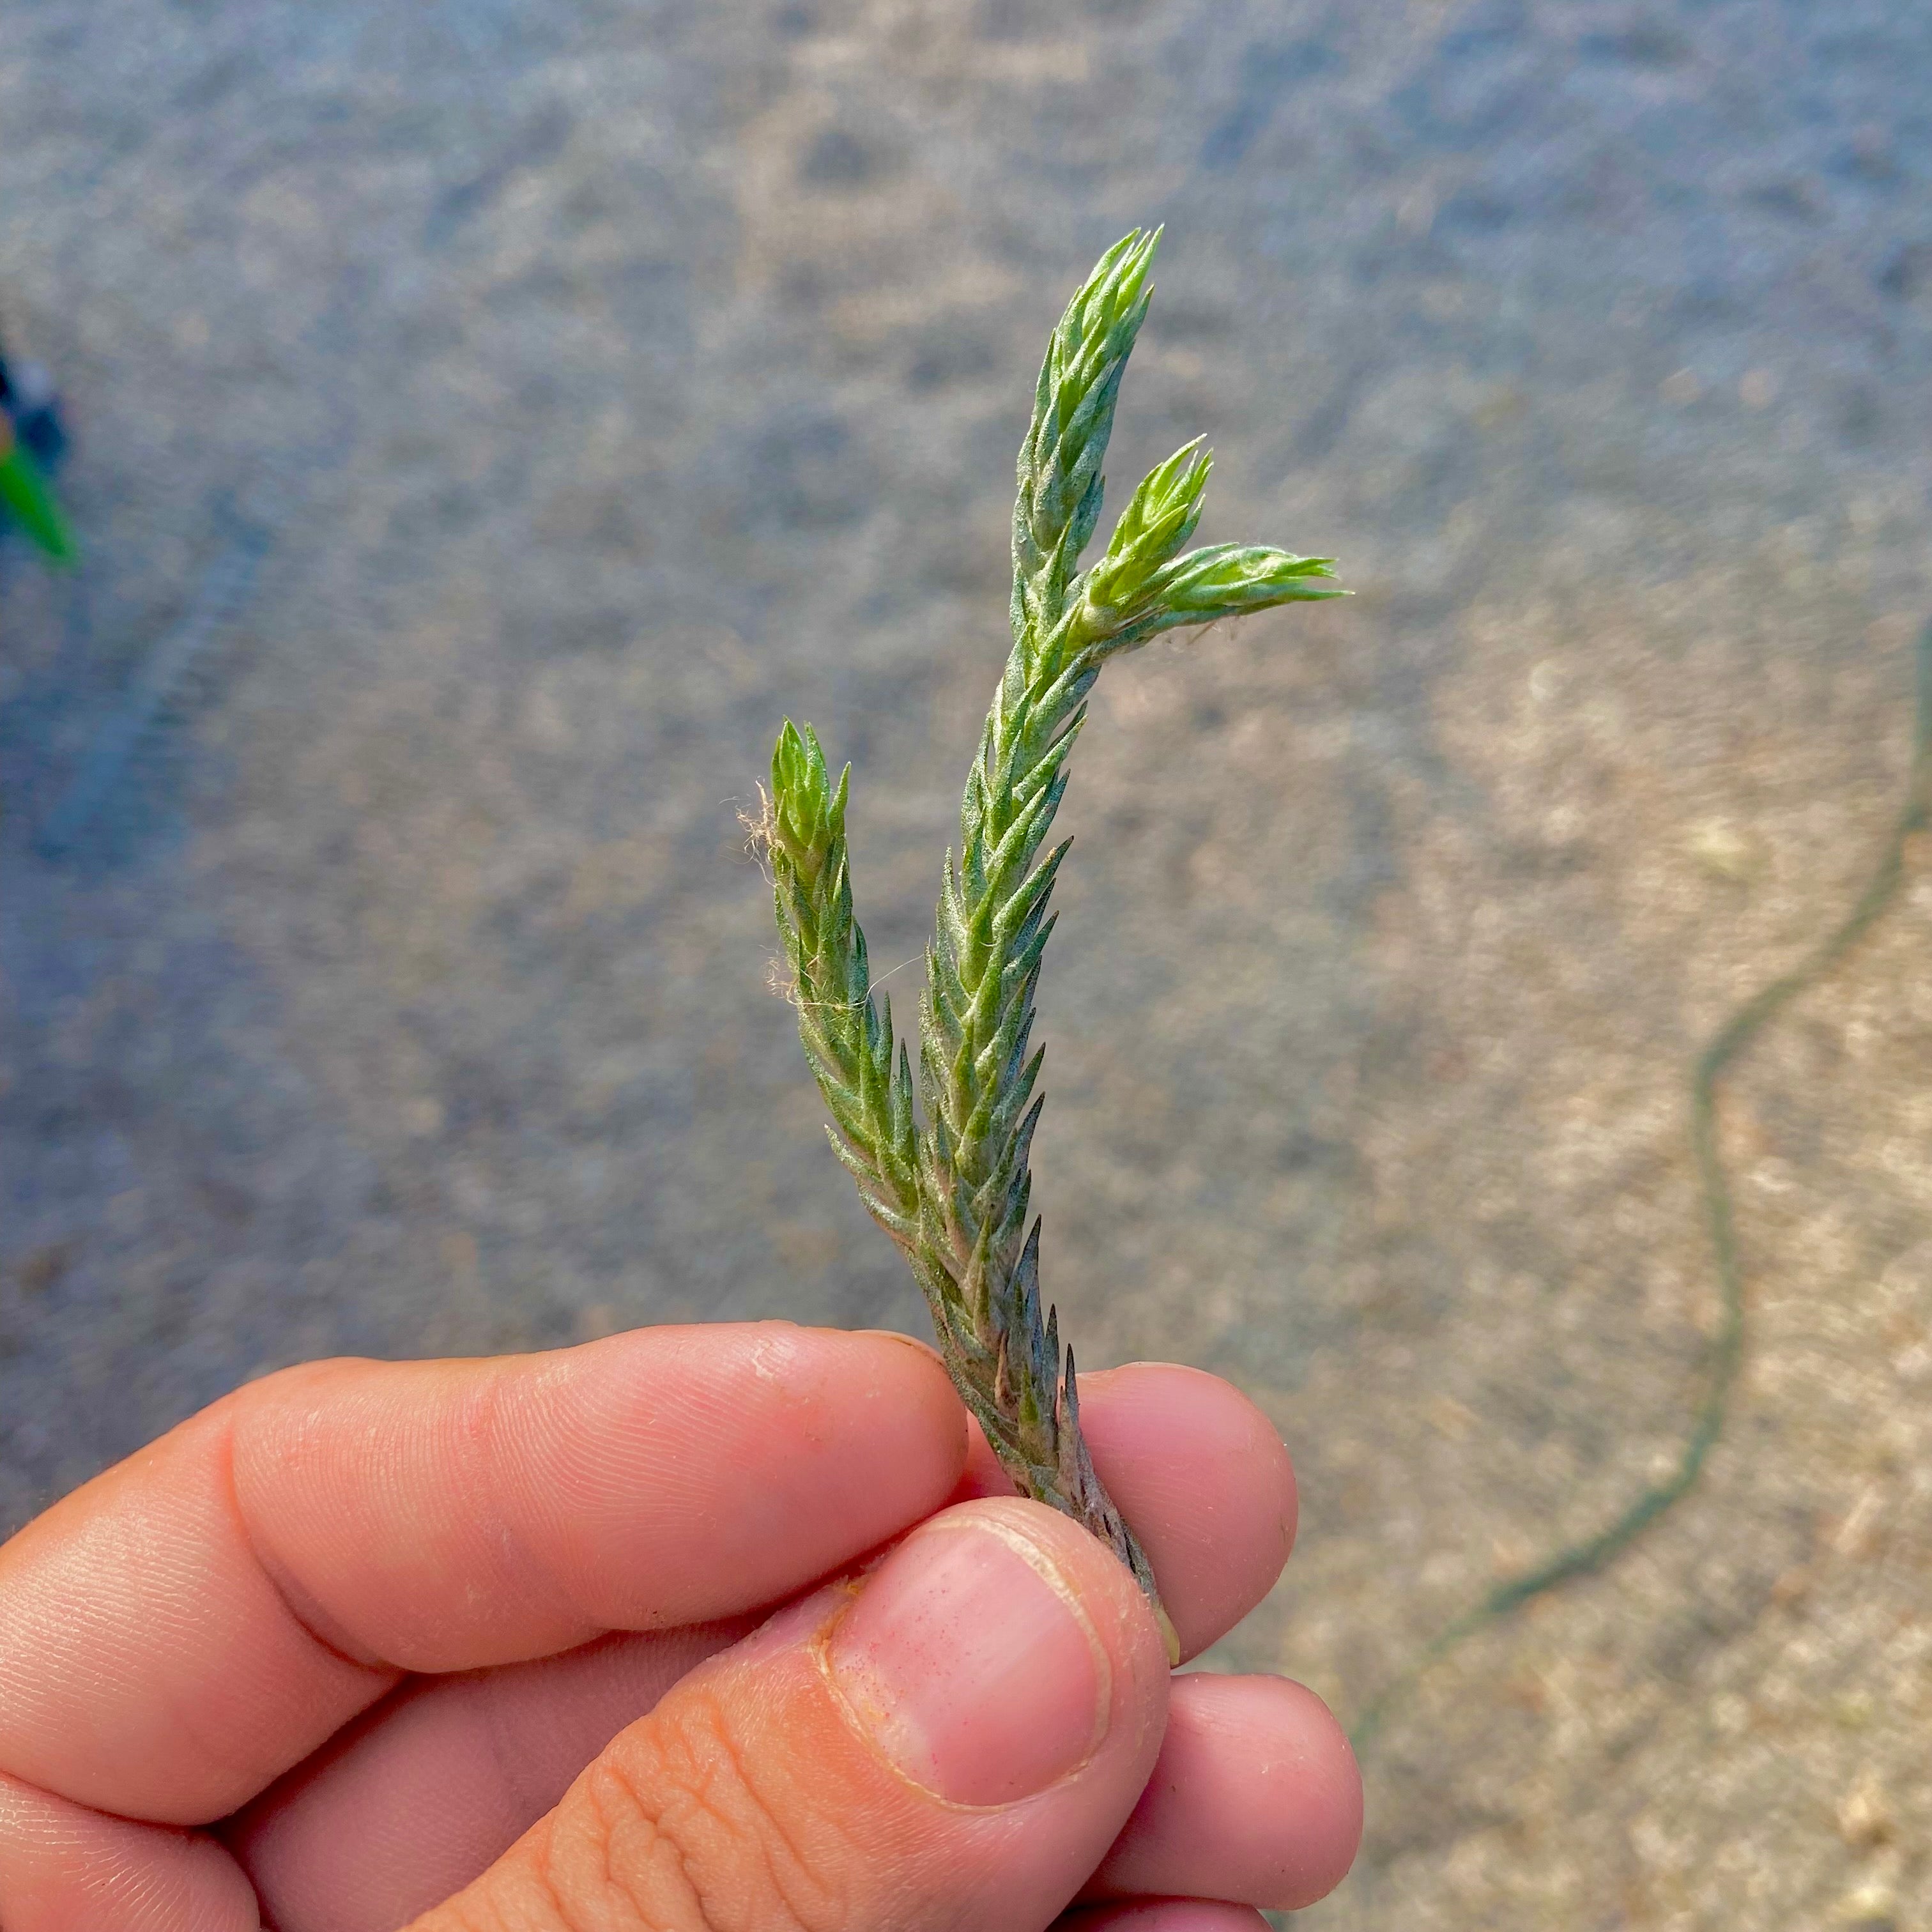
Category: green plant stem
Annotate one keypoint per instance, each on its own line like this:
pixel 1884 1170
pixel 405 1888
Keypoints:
pixel 955 1193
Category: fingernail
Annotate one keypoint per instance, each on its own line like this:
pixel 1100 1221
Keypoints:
pixel 969 1660
pixel 911 1342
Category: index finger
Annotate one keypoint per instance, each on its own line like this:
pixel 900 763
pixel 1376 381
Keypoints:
pixel 180 1631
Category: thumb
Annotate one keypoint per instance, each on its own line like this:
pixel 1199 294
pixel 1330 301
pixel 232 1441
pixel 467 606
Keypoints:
pixel 953 1742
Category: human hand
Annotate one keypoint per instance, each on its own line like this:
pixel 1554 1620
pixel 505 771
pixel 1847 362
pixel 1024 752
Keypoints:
pixel 337 1652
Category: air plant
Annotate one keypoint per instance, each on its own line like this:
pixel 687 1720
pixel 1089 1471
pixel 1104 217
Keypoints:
pixel 952 1189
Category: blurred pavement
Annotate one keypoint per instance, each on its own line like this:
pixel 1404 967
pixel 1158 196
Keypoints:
pixel 590 386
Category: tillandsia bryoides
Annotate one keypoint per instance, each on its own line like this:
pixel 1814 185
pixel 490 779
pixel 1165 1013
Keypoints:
pixel 953 1192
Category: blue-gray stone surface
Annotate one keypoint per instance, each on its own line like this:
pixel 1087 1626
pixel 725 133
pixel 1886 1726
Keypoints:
pixel 590 386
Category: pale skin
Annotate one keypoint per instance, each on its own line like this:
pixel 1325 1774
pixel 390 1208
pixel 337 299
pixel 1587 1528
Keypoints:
pixel 722 1629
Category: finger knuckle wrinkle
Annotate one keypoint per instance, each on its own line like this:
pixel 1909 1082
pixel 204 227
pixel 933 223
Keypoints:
pixel 689 1832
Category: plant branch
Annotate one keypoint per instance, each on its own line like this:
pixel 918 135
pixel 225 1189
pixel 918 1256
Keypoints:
pixel 954 1195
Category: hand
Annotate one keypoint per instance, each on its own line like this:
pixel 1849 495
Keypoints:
pixel 337 1652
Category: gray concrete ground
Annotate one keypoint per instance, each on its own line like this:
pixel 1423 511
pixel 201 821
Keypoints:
pixel 605 381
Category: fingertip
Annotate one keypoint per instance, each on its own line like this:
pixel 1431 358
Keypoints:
pixel 1256 1796
pixel 1309 1766
pixel 662 1476
pixel 1166 1915
pixel 855 1436
pixel 900 1338
pixel 876 1369
pixel 1207 1485
pixel 65 1866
